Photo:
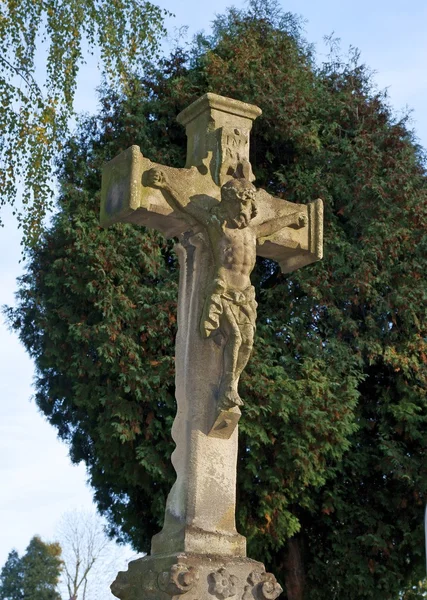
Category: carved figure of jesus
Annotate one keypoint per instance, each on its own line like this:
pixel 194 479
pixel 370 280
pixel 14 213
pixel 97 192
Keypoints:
pixel 230 306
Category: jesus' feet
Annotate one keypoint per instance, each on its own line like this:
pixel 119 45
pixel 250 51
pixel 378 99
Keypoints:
pixel 229 398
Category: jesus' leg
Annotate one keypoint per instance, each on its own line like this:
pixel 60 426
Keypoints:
pixel 228 394
pixel 245 350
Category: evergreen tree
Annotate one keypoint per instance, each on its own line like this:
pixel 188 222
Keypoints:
pixel 11 578
pixel 332 464
pixel 35 575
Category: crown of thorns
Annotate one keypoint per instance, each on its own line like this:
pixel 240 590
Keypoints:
pixel 241 187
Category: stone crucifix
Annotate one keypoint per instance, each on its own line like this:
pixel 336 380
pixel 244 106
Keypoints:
pixel 222 222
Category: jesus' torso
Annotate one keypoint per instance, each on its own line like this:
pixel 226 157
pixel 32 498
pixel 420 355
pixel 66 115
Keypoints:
pixel 234 253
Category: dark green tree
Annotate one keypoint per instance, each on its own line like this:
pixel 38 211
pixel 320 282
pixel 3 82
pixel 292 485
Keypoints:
pixel 35 575
pixel 332 466
pixel 11 577
pixel 415 592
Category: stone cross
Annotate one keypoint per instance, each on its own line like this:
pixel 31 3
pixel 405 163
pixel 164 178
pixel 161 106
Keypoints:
pixel 222 222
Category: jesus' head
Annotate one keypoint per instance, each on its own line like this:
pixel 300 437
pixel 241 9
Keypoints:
pixel 238 202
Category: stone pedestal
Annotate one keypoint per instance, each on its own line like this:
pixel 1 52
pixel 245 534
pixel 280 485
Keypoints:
pixel 195 577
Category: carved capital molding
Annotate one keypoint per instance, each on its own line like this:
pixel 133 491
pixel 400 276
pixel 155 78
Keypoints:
pixel 264 585
pixel 180 579
pixel 223 584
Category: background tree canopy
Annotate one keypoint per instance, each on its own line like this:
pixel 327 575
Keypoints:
pixel 332 464
pixel 33 576
pixel 34 115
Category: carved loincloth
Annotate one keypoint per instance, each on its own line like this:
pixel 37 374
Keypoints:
pixel 242 305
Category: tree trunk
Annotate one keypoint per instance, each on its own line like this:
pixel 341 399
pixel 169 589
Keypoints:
pixel 293 569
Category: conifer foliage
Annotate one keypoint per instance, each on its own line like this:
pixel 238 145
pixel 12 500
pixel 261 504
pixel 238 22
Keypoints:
pixel 332 474
pixel 35 575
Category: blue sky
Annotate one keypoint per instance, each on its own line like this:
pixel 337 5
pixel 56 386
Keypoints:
pixel 38 481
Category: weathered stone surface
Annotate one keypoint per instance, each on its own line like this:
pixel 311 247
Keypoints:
pixel 201 504
pixel 222 222
pixel 195 577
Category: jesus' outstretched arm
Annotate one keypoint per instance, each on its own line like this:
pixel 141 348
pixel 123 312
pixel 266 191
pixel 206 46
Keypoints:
pixel 158 178
pixel 296 220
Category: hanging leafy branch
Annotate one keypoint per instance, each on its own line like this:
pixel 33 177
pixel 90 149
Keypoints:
pixel 35 113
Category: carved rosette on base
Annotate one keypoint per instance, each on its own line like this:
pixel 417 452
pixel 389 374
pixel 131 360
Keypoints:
pixel 195 577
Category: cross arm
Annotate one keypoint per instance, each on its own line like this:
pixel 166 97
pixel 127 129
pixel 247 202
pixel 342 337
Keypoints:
pixel 128 196
pixel 291 234
pixel 176 195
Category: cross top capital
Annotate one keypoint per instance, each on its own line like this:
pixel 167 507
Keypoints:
pixel 218 131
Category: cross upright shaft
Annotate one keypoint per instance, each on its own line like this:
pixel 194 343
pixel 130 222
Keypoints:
pixel 222 222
